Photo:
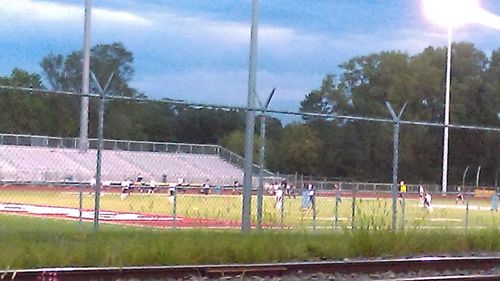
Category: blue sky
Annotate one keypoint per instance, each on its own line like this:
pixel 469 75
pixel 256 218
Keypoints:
pixel 197 50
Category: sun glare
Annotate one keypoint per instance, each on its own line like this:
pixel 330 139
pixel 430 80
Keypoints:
pixel 451 13
pixel 489 19
pixel 455 13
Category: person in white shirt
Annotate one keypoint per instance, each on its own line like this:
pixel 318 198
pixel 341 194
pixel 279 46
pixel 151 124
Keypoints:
pixel 171 192
pixel 311 192
pixel 125 189
pixel 206 188
pixel 279 198
pixel 152 186
pixel 427 201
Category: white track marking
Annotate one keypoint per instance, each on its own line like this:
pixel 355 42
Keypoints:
pixel 74 213
pixel 439 219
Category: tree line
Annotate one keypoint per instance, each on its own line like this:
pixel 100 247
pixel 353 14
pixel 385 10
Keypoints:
pixel 314 147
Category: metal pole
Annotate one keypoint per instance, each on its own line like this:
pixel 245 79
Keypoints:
pixel 477 175
pixel 80 205
pixel 463 177
pixel 337 199
pixel 282 211
pixel 395 160
pixel 100 134
pixel 315 201
pixel 262 149
pixel 99 161
pixel 467 216
pixel 84 109
pixel 174 209
pixel 250 122
pixel 444 186
pixel 260 193
pixel 403 219
pixel 353 206
pixel 395 163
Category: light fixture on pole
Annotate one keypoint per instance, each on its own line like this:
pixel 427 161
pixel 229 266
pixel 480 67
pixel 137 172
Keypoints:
pixel 450 14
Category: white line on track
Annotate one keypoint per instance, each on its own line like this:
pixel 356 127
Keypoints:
pixel 74 213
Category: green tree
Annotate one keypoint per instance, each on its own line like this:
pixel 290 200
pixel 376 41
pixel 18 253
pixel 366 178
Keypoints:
pixel 22 112
pixel 65 73
pixel 299 150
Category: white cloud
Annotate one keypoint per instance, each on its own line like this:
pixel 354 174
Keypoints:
pixel 33 12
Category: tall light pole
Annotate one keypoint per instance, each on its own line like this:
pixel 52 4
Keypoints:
pixel 84 107
pixel 450 14
pixel 444 181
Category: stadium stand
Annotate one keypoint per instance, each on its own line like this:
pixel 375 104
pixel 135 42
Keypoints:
pixel 39 164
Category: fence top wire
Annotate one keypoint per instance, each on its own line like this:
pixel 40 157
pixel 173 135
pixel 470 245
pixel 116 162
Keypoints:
pixel 262 110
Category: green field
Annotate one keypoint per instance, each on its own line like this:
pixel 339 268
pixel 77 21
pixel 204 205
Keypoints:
pixel 368 213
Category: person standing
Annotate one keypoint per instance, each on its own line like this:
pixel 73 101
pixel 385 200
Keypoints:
pixel 279 198
pixel 338 191
pixel 402 189
pixel 206 187
pixel 171 192
pixel 494 202
pixel 460 196
pixel 312 195
pixel 421 193
pixel 125 185
pixel 427 201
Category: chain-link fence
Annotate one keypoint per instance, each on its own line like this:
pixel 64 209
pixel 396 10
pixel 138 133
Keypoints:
pixel 174 184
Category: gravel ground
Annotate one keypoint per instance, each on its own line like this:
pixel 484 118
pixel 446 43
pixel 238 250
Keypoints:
pixel 351 276
pixel 338 277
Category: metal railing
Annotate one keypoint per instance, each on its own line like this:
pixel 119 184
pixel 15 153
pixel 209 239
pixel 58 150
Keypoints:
pixel 130 145
pixel 229 156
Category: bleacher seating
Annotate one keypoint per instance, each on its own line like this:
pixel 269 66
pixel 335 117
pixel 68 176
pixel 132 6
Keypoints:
pixel 28 163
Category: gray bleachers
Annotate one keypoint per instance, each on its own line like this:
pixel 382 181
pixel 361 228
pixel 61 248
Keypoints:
pixel 38 164
pixel 29 163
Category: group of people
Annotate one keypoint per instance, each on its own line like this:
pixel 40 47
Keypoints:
pixel 424 196
pixel 286 189
pixel 127 185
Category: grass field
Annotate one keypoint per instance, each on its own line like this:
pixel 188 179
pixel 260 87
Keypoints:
pixel 368 212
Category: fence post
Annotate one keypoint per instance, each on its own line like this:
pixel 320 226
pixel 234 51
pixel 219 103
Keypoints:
pixel 314 197
pixel 337 199
pixel 260 191
pixel 80 205
pixel 174 207
pixel 395 158
pixel 100 136
pixel 467 216
pixel 282 211
pixel 403 220
pixel 353 210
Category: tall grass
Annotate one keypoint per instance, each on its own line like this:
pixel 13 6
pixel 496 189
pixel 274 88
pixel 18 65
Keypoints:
pixel 32 243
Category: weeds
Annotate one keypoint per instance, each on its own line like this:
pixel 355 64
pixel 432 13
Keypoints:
pixel 30 243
